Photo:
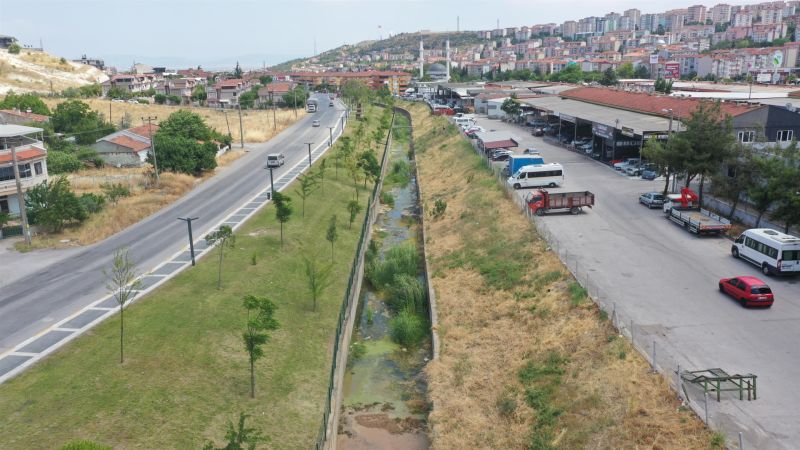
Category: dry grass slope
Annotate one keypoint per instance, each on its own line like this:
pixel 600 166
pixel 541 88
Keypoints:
pixel 526 360
pixel 257 124
pixel 42 72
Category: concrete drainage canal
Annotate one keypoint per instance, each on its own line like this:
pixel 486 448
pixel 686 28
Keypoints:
pixel 384 391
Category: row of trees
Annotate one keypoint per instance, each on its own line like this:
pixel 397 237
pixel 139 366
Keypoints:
pixel 707 150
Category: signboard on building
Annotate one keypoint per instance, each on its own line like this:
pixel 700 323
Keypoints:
pixel 660 135
pixel 777 58
pixel 654 58
pixel 672 71
pixel 764 78
pixel 604 131
pixel 627 132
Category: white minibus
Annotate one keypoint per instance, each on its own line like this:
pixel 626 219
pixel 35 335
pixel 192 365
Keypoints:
pixel 551 175
pixel 774 252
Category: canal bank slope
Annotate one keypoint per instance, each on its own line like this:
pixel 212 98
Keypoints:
pixel 526 360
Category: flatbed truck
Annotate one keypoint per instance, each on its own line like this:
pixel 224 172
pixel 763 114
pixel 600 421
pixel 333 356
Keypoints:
pixel 699 222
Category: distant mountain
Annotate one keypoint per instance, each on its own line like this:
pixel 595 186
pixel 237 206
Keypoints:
pixel 34 71
pixel 399 43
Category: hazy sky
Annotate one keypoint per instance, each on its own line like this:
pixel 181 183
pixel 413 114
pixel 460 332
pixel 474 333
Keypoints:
pixel 220 32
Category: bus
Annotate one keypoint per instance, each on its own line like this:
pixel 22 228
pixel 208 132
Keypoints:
pixel 534 175
pixel 774 252
pixel 311 105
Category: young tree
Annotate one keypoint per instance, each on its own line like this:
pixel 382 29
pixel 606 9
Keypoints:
pixel 317 276
pixel 609 77
pixel 332 234
pixel 238 438
pixel 283 209
pixel 321 171
pixel 511 107
pixel 260 321
pixel 737 179
pixel 368 163
pixel 625 70
pixel 764 190
pixel 308 184
pixel 669 156
pixel 76 118
pixel 377 137
pixel 343 152
pixel 787 183
pixel 223 236
pixel 123 286
pixel 353 207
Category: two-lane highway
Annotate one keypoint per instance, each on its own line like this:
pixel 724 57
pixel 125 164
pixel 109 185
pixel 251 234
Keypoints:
pixel 34 302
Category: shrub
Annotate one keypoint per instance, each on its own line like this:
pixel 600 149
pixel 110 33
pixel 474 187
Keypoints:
pixel 114 191
pixel 407 293
pixel 53 205
pixel 174 99
pixel 160 99
pixel 439 207
pixel 399 173
pixel 506 405
pixel 92 203
pixel 143 101
pixel 407 329
pixel 387 199
pixel 62 162
pixel 577 294
pixel 14 49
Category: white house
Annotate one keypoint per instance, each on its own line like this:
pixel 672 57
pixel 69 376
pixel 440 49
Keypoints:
pixel 31 162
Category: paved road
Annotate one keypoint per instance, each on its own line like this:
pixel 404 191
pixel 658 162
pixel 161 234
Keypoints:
pixel 665 279
pixel 32 303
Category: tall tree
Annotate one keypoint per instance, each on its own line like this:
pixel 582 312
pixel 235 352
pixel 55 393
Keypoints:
pixel 186 144
pixel 23 102
pixel 237 71
pixel 739 175
pixel 123 286
pixel 75 118
pixel 318 277
pixel 308 184
pixel 331 235
pixel 787 182
pixel 765 189
pixel 709 133
pixel 609 77
pixel 260 321
pixel 353 208
pixel 511 107
pixel 283 209
pixel 224 237
pixel 669 157
pixel 369 165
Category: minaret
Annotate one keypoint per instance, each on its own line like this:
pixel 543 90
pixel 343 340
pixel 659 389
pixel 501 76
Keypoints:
pixel 421 59
pixel 447 54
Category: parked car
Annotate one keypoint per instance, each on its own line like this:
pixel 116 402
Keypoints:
pixel 652 199
pixel 502 155
pixel 538 131
pixel 315 123
pixel 633 171
pixel 649 172
pixel 531 151
pixel 622 165
pixel 748 291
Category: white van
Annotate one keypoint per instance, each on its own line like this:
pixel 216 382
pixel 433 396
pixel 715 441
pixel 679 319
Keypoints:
pixel 275 160
pixel 461 121
pixel 551 175
pixel 774 252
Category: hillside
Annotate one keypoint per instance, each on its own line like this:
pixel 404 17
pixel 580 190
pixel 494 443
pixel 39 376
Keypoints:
pixel 399 43
pixel 41 72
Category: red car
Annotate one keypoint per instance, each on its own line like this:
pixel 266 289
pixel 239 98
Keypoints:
pixel 749 291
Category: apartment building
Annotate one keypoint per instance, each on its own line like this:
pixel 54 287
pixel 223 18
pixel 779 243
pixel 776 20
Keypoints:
pixel 31 163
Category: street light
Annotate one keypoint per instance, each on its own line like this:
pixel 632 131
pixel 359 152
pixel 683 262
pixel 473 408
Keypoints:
pixel 330 131
pixel 271 182
pixel 188 221
pixel 309 153
pixel 671 116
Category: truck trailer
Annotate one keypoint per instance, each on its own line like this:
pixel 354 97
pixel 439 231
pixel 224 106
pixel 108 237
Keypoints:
pixel 541 201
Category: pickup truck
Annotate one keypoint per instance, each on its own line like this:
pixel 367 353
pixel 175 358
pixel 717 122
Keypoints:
pixel 699 222
pixel 541 201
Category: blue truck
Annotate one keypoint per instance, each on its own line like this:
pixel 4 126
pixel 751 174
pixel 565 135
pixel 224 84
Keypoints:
pixel 517 161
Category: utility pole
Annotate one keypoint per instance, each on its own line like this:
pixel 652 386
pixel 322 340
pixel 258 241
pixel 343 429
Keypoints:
pixel 152 144
pixel 20 197
pixel 109 111
pixel 271 184
pixel 241 128
pixel 309 153
pixel 294 100
pixel 274 120
pixel 188 221
pixel 225 113
pixel 330 131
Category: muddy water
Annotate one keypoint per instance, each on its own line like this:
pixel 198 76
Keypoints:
pixel 384 404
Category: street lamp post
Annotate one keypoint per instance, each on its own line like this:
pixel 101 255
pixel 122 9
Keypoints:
pixel 330 131
pixel 309 153
pixel 271 184
pixel 188 221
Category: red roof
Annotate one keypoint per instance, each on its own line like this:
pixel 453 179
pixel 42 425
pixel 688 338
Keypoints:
pixel 647 103
pixel 133 144
pixel 31 153
pixel 143 130
pixel 491 145
pixel 30 116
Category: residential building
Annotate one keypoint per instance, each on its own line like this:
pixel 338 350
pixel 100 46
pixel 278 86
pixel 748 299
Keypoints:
pixel 742 19
pixel 94 62
pixel 697 14
pixel 720 14
pixel 179 87
pixel 634 16
pixel 273 92
pixel 225 94
pixel 31 163
pixel 133 83
pixel 17 117
pixel 126 148
pixel 772 16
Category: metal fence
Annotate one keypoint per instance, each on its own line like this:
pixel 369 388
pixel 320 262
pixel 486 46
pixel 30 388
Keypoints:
pixel 347 310
pixel 646 339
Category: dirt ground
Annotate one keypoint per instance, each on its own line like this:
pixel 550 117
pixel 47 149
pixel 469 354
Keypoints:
pixel 527 360
pixel 370 429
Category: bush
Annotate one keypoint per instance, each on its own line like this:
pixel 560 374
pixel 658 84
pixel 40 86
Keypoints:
pixel 407 293
pixel 439 207
pixel 387 199
pixel 506 405
pixel 53 205
pixel 62 162
pixel 408 329
pixel 14 49
pixel 160 99
pixel 143 101
pixel 114 191
pixel 92 203
pixel 174 99
pixel 399 173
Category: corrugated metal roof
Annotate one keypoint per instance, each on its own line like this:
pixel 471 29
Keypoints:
pixel 602 114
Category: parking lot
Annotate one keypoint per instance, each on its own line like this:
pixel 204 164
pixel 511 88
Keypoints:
pixel 663 280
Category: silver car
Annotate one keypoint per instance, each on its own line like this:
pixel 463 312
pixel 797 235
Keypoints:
pixel 652 199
